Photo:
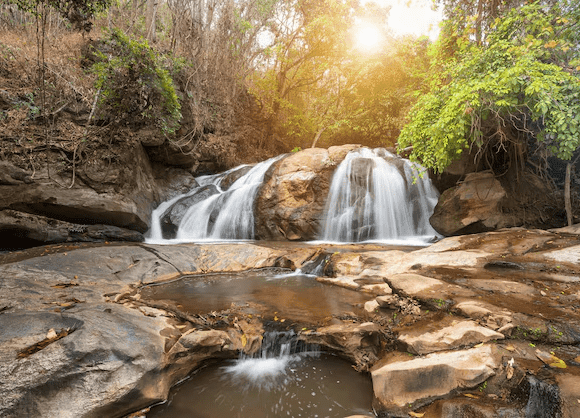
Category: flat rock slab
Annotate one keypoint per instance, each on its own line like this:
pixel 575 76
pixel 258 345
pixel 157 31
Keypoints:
pixel 459 334
pixel 403 382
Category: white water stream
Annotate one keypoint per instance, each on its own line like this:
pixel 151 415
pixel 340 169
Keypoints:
pixel 226 215
pixel 374 196
pixel 378 196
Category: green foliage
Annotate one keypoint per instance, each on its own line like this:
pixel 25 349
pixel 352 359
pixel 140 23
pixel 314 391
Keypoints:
pixel 520 84
pixel 78 12
pixel 134 83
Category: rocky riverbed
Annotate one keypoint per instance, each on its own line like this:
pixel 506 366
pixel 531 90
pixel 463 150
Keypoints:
pixel 482 325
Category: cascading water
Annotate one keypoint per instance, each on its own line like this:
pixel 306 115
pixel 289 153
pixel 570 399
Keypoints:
pixel 376 195
pixel 225 214
pixel 286 378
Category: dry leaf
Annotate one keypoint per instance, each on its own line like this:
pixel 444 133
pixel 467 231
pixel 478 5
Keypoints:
pixel 416 414
pixel 478 345
pixel 551 360
pixel 469 395
pixel 244 340
pixel 510 348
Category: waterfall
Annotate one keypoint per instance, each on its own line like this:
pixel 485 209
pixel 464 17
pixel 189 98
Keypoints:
pixel 375 195
pixel 226 214
pixel 270 365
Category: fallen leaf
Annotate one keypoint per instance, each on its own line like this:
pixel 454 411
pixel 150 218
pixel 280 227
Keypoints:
pixel 469 395
pixel 478 345
pixel 244 340
pixel 551 360
pixel 510 348
pixel 577 359
pixel 275 318
pixel 416 414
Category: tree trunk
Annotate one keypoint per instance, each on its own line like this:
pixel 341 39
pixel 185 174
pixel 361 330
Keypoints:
pixel 317 137
pixel 567 201
pixel 150 20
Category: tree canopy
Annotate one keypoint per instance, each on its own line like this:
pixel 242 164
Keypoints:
pixel 501 88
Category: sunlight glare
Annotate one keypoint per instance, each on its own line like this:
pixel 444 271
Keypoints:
pixel 368 38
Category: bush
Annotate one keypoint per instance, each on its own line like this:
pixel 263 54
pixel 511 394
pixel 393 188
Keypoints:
pixel 135 86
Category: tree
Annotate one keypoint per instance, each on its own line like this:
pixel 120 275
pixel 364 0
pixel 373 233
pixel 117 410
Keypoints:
pixel 518 86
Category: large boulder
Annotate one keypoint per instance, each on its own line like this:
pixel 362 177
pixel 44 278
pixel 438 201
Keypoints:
pixel 400 383
pixel 471 207
pixel 291 202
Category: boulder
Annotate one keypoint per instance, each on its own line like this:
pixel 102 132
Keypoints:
pixel 401 383
pixel 471 207
pixel 291 202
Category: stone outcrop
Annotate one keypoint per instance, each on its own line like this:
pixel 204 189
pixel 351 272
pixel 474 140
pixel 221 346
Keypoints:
pixel 30 230
pixel 404 382
pixel 107 201
pixel 291 202
pixel 471 207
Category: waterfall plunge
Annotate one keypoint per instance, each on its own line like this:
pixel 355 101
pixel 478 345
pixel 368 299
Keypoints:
pixel 376 195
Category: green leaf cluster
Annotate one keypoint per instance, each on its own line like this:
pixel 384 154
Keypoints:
pixel 135 84
pixel 520 83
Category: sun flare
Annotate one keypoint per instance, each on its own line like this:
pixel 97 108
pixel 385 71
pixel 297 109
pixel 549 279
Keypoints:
pixel 368 38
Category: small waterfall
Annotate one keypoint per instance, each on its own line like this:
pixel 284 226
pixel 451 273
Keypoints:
pixel 226 212
pixel 376 195
pixel 269 367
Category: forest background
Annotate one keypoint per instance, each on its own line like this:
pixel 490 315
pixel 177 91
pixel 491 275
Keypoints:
pixel 239 81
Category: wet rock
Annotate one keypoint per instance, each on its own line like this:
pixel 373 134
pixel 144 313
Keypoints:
pixel 544 399
pixel 357 342
pixel 291 201
pixel 207 344
pixel 456 335
pixel 473 206
pixel 233 176
pixel 173 181
pixel 400 383
pixel 173 216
